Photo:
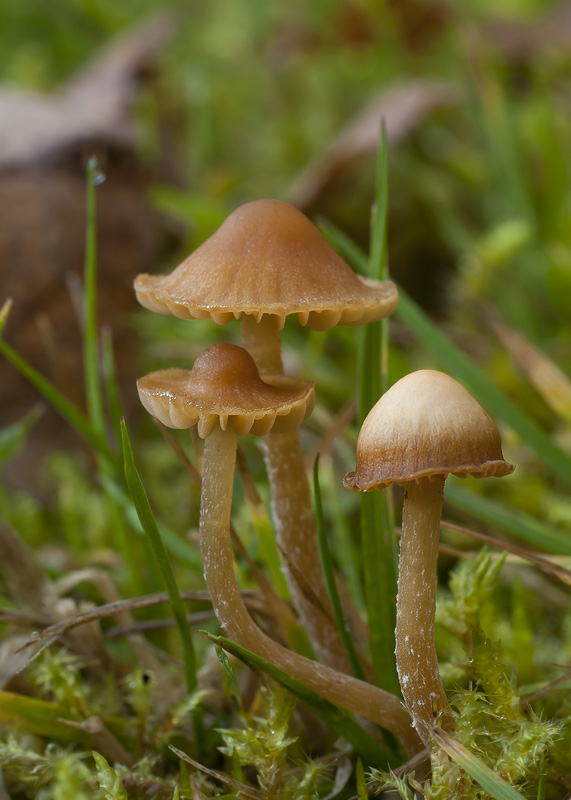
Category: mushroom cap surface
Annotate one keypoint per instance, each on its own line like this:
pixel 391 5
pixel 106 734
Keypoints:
pixel 267 258
pixel 224 387
pixel 427 424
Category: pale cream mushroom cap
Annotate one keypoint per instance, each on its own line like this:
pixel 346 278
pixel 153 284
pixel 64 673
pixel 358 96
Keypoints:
pixel 427 424
pixel 224 387
pixel 267 258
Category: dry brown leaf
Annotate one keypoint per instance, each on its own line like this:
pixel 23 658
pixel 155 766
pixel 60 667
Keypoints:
pixel 94 107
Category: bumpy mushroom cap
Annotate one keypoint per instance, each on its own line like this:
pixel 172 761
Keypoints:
pixel 224 387
pixel 427 424
pixel 267 258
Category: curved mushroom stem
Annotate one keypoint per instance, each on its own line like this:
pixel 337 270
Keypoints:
pixel 417 664
pixel 371 702
pixel 292 508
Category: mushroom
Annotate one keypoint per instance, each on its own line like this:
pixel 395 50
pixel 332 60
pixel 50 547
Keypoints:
pixel 266 261
pixel 424 428
pixel 224 395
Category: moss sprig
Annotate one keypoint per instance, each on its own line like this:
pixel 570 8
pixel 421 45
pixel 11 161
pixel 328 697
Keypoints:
pixel 264 743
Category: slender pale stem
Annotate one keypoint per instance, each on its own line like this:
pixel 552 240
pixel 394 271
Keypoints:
pixel 297 539
pixel 342 690
pixel 293 510
pixel 262 340
pixel 417 664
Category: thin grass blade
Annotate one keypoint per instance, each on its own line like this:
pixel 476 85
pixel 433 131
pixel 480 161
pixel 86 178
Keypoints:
pixel 94 384
pixel 378 547
pixel 91 366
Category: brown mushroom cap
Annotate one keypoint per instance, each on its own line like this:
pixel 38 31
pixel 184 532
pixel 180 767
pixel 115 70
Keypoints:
pixel 427 424
pixel 224 387
pixel 267 258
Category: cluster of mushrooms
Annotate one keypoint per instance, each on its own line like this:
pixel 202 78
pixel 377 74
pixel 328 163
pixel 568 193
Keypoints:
pixel 265 262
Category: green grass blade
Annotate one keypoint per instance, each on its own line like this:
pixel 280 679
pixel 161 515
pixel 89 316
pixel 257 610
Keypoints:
pixel 521 526
pixel 475 767
pixel 329 575
pixel 147 519
pixel 93 391
pixel 93 382
pixel 378 262
pixel 379 567
pixel 337 719
pixel 62 405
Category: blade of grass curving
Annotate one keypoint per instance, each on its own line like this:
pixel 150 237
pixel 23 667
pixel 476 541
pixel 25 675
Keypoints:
pixel 475 767
pixel 337 719
pixel 147 519
pixel 461 366
pixel 329 575
pixel 521 526
pixel 62 405
pixel 378 547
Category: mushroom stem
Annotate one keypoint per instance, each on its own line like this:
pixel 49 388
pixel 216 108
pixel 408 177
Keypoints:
pixel 342 690
pixel 262 340
pixel 292 508
pixel 297 541
pixel 417 664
